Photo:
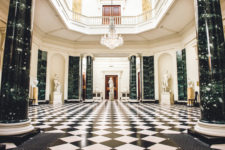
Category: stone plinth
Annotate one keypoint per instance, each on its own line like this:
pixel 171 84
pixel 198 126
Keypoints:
pixel 166 98
pixel 56 98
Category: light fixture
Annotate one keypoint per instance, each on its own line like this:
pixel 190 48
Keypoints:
pixel 112 39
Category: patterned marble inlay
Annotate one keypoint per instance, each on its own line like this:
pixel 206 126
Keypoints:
pixel 73 79
pixel 182 75
pixel 148 77
pixel 113 125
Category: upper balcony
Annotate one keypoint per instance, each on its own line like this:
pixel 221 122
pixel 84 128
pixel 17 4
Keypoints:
pixel 93 25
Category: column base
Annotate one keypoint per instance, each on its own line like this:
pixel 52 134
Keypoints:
pixel 88 101
pixel 19 139
pixel 133 101
pixel 9 129
pixel 217 130
pixel 205 138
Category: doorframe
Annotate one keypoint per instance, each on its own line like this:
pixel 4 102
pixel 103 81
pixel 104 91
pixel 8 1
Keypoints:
pixel 119 74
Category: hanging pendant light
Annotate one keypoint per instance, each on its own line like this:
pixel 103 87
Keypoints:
pixel 111 39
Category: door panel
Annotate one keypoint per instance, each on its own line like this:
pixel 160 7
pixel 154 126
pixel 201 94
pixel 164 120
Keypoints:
pixel 111 10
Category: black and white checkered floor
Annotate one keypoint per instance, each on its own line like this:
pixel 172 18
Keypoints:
pixel 114 125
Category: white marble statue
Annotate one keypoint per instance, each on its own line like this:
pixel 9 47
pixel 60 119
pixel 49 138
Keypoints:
pixel 165 83
pixel 35 83
pixel 190 83
pixel 111 89
pixel 57 85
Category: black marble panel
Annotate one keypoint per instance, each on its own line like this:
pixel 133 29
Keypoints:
pixel 16 64
pixel 148 77
pixel 89 78
pixel 133 79
pixel 73 77
pixel 41 74
pixel 182 75
pixel 211 52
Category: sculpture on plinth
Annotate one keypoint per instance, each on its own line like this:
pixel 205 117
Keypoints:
pixel 165 83
pixel 111 89
pixel 35 92
pixel 57 95
pixel 166 95
pixel 57 85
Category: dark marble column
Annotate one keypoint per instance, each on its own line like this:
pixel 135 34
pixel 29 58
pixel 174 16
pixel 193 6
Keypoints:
pixel 16 64
pixel 89 78
pixel 73 77
pixel 133 78
pixel 182 75
pixel 212 67
pixel 141 77
pixel 149 84
pixel 41 74
pixel 81 78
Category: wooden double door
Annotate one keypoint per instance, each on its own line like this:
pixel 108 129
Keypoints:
pixel 111 10
pixel 115 83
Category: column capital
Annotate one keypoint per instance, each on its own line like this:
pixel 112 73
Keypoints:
pixel 88 54
pixel 136 55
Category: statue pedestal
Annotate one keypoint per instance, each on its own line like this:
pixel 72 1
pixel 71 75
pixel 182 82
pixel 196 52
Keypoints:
pixel 191 97
pixel 166 98
pixel 35 96
pixel 111 96
pixel 56 98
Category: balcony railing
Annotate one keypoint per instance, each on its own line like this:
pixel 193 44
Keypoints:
pixel 153 16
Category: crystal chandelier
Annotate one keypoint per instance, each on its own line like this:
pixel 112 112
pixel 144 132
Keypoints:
pixel 112 39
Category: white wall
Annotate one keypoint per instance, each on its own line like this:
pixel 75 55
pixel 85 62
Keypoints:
pixel 111 66
pixel 132 8
pixel 189 42
pixel 91 8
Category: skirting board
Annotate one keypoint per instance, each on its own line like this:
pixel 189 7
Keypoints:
pixel 148 100
pixel 88 101
pixel 133 101
pixel 71 100
pixel 205 138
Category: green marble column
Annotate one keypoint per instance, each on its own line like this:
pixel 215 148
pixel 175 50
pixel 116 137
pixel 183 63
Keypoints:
pixel 41 74
pixel 182 75
pixel 148 69
pixel 16 64
pixel 211 53
pixel 73 79
pixel 81 79
pixel 133 78
pixel 89 78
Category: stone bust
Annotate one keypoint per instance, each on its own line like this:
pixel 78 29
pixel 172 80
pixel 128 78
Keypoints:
pixel 35 83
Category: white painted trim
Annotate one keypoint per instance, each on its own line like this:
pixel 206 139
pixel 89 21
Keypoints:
pixel 133 101
pixel 7 129
pixel 210 129
pixel 148 100
pixel 88 101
